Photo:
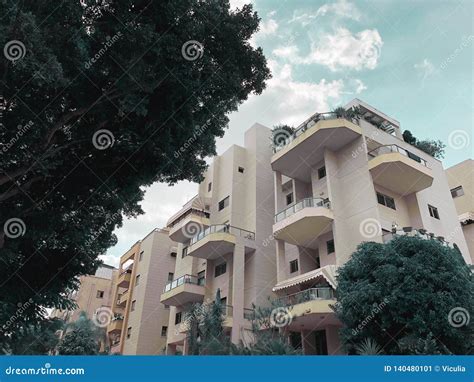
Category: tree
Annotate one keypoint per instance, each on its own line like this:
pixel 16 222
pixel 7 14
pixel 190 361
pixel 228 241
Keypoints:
pixel 82 339
pixel 100 99
pixel 34 339
pixel 435 148
pixel 410 296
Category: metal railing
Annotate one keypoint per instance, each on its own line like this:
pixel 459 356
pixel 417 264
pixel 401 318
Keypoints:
pixel 307 124
pixel 223 228
pixel 185 279
pixel 191 211
pixel 386 149
pixel 307 202
pixel 322 293
pixel 415 232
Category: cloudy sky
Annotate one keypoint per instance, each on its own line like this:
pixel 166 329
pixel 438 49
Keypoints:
pixel 412 60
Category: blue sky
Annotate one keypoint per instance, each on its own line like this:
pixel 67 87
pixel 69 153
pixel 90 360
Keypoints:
pixel 413 60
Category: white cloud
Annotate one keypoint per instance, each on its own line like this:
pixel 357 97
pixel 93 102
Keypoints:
pixel 239 3
pixel 110 260
pixel 360 86
pixel 341 9
pixel 425 67
pixel 341 50
pixel 268 27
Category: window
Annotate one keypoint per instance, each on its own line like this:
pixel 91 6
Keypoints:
pixel 220 269
pixel 241 170
pixel 137 280
pixel 185 252
pixel 170 276
pixel 132 308
pixel 223 203
pixel 457 191
pixel 100 294
pixel 224 301
pixel 140 256
pixel 289 199
pixel 293 266
pixel 164 331
pixel 173 254
pixel 166 306
pixel 386 201
pixel 433 212
pixel 330 246
pixel 322 172
pixel 209 186
pixel 177 318
pixel 129 332
pixel 201 278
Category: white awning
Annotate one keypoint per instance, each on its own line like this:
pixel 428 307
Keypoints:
pixel 197 203
pixel 327 272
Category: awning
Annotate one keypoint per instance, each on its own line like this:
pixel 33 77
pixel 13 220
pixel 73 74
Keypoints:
pixel 327 272
pixel 196 203
pixel 466 218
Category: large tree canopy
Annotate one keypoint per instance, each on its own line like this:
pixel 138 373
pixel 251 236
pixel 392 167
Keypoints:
pixel 410 296
pixel 98 101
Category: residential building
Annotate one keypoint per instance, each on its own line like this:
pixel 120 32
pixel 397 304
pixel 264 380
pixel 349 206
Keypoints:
pixel 140 321
pixel 461 183
pixel 340 181
pixel 93 295
pixel 224 238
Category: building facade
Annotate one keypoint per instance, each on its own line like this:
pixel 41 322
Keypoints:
pixel 340 181
pixel 224 240
pixel 461 183
pixel 140 321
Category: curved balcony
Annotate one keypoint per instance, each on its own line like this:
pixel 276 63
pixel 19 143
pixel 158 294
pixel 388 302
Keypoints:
pixel 189 225
pixel 303 222
pixel 310 308
pixel 399 170
pixel 184 290
pixel 309 140
pixel 218 240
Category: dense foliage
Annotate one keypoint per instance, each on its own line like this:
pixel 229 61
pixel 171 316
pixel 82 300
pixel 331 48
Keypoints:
pixel 99 99
pixel 435 148
pixel 410 296
pixel 82 338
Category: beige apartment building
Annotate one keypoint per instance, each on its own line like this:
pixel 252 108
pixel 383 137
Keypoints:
pixel 140 321
pixel 461 183
pixel 224 240
pixel 340 182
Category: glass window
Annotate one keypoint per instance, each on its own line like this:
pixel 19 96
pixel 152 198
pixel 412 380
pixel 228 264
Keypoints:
pixel 330 246
pixel 457 191
pixel 293 266
pixel 223 203
pixel 170 276
pixel 185 252
pixel 201 278
pixel 289 199
pixel 433 212
pixel 322 172
pixel 177 318
pixel 100 294
pixel 220 269
pixel 164 331
pixel 241 170
pixel 386 201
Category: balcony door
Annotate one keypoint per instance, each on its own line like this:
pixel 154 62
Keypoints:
pixel 320 342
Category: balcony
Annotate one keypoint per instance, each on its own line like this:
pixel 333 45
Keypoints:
pixel 309 141
pixel 218 240
pixel 115 326
pixel 189 225
pixel 303 222
pixel 124 278
pixel 184 290
pixel 123 298
pixel 310 308
pixel 399 170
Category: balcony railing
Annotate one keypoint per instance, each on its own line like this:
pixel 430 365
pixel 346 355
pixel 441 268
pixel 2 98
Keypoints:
pixel 396 149
pixel 185 279
pixel 310 122
pixel 308 202
pixel 223 228
pixel 192 211
pixel 323 293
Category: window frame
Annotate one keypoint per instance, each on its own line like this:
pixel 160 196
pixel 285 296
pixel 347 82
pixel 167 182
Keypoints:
pixel 386 200
pixel 223 203
pixel 322 170
pixel 101 292
pixel 219 267
pixel 455 189
pixel 294 266
pixel 433 211
pixel 241 169
pixel 330 244
pixel 291 197
pixel 172 276
pixel 178 318
pixel 165 330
